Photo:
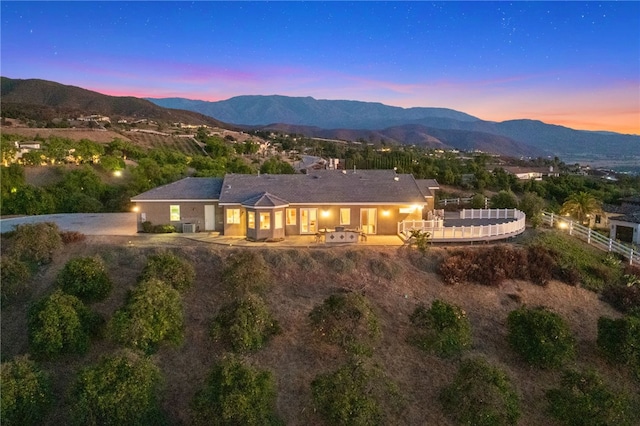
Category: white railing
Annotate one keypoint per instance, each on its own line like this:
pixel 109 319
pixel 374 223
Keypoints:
pixel 471 232
pixel 591 237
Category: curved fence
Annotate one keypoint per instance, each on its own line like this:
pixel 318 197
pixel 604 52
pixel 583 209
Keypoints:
pixel 509 223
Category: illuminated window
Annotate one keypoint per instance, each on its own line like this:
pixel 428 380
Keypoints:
pixel 174 213
pixel 345 216
pixel 251 220
pixel 265 220
pixel 233 216
pixel 291 216
pixel 278 219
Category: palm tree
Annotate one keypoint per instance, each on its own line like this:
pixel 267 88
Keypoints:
pixel 581 206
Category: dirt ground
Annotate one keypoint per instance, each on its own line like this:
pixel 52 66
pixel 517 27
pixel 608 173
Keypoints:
pixel 100 136
pixel 295 358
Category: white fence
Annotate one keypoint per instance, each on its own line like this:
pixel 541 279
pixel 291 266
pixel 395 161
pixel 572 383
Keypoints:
pixel 471 232
pixel 591 237
pixel 458 201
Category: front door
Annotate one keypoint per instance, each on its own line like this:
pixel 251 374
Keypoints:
pixel 368 220
pixel 209 217
pixel 308 221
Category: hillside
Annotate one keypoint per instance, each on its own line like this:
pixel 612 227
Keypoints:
pixel 326 114
pixel 45 100
pixel 302 279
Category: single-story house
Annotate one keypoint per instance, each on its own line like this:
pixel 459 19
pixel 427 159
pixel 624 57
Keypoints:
pixel 264 207
pixel 624 220
pixel 531 173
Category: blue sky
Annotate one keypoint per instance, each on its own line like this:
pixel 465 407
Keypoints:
pixel 569 63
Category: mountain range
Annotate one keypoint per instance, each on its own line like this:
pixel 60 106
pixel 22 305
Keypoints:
pixel 344 120
pixel 44 100
pixel 426 126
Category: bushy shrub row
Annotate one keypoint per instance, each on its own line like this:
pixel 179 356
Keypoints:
pixel 498 263
pixel 150 228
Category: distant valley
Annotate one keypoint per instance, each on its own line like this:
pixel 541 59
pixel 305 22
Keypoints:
pixel 433 127
pixel 366 122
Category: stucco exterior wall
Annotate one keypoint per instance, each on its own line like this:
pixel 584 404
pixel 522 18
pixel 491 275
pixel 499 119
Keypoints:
pixel 158 213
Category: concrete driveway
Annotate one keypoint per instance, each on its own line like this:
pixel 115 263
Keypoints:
pixel 86 223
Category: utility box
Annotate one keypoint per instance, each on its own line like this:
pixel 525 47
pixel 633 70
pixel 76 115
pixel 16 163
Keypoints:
pixel 188 228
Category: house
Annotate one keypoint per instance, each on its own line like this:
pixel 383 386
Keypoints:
pixel 267 207
pixel 624 220
pixel 531 173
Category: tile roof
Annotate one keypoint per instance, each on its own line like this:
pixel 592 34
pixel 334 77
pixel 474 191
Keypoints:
pixel 190 188
pixel 325 187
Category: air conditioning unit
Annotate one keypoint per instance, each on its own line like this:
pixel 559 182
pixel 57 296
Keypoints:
pixel 188 228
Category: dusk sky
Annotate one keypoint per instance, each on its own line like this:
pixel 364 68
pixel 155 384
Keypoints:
pixel 570 63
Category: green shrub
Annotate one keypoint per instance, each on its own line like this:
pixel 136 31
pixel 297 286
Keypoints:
pixel 164 229
pixel 147 227
pixel 236 394
pixel 246 324
pixel 36 242
pixel 14 277
pixel 171 269
pixel 346 319
pixel 542 337
pixel 584 400
pixel 481 395
pixel 119 390
pixel 86 278
pixel 61 323
pixel 153 314
pixel 443 329
pixel 246 271
pixel 619 340
pixel 341 265
pixel 384 268
pixel 26 392
pixel 356 395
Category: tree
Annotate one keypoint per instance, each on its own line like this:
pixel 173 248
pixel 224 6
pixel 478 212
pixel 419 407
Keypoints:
pixel 36 242
pixel 236 394
pixel 153 314
pixel 482 395
pixel 581 206
pixel 275 166
pixel 356 394
pixel 542 337
pixel 532 204
pixel 171 269
pixel 61 323
pixel 583 399
pixel 14 275
pixel 26 392
pixel 346 319
pixel 86 278
pixel 619 340
pixel 443 329
pixel 246 324
pixel 119 390
pixel 504 200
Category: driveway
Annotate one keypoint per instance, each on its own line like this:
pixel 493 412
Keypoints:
pixel 86 223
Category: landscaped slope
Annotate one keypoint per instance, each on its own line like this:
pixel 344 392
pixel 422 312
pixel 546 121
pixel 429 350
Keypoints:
pixel 387 283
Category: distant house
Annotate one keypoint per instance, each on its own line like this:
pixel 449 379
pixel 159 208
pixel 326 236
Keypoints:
pixel 263 207
pixel 624 220
pixel 531 173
